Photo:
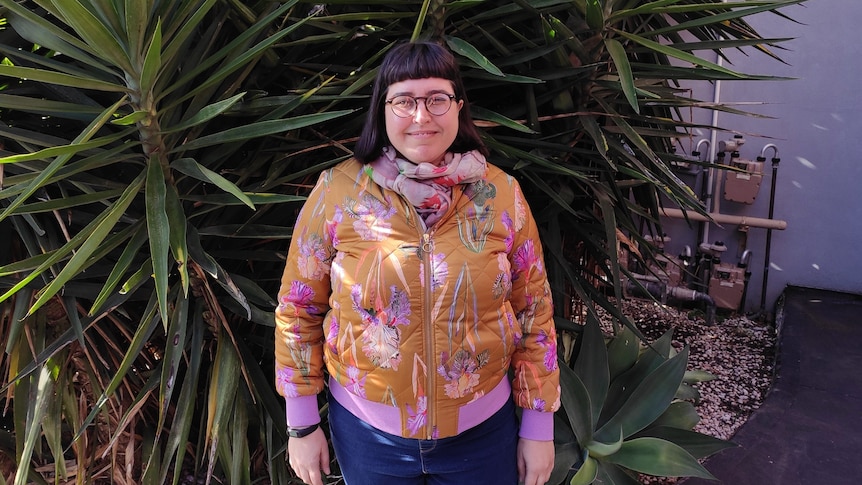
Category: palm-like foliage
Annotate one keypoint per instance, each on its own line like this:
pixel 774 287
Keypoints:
pixel 155 152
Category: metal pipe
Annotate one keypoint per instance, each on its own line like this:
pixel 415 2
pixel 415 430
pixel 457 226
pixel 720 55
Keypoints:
pixel 661 292
pixel 707 197
pixel 713 137
pixel 685 257
pixel 725 219
pixel 701 180
pixel 766 147
pixel 716 189
pixel 686 253
pixel 745 258
pixel 766 262
pixel 744 261
pixel 683 294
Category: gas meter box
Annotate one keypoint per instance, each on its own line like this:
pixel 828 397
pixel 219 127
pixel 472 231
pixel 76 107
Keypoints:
pixel 727 285
pixel 743 186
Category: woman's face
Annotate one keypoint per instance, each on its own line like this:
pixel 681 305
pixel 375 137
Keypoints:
pixel 422 136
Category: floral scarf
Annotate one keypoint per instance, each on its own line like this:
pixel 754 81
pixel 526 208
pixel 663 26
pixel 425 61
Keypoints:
pixel 425 185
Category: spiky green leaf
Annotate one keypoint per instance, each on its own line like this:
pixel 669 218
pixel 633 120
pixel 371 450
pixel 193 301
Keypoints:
pixel 658 457
pixel 192 168
pixel 159 231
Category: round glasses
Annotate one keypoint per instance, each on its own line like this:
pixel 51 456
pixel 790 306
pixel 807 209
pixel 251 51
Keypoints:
pixel 405 106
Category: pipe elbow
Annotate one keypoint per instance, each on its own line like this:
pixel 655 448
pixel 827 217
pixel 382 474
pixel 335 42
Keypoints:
pixel 697 296
pixel 709 319
pixel 745 259
pixel 699 144
pixel 685 254
pixel 769 146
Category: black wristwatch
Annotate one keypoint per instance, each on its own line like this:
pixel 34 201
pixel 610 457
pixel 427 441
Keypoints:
pixel 302 432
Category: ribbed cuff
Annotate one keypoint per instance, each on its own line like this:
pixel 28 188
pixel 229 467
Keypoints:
pixel 301 411
pixel 537 425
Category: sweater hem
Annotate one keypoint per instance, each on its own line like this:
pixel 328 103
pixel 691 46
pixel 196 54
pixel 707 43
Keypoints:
pixel 388 418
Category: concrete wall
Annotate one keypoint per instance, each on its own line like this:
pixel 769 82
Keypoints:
pixel 817 128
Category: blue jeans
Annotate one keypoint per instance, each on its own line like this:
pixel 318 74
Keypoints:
pixel 484 454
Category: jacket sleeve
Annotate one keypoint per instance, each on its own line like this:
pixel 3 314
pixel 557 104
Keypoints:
pixel 303 301
pixel 536 385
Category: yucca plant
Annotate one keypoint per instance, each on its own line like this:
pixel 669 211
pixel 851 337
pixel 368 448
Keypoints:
pixel 155 154
pixel 136 328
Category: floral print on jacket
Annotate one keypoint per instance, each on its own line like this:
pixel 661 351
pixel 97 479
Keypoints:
pixel 424 320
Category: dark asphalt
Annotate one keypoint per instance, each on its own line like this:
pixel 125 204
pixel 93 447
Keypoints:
pixel 809 428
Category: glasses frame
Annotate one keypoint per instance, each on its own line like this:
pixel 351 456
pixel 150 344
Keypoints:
pixel 416 99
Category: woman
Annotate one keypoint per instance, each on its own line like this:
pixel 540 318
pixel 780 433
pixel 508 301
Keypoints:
pixel 415 274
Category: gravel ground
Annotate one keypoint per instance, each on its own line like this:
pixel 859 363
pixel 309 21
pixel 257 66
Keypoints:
pixel 738 351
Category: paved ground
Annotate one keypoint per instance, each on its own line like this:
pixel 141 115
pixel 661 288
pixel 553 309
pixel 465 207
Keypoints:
pixel 809 428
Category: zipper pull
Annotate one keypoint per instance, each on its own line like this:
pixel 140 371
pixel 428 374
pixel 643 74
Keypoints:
pixel 427 245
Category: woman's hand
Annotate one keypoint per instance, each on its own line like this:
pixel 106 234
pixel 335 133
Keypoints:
pixel 535 461
pixel 308 455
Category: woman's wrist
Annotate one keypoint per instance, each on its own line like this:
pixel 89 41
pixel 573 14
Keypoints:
pixel 303 431
pixel 537 425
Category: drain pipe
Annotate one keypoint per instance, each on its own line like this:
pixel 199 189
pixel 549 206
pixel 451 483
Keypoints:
pixel 648 286
pixel 711 177
pixel 713 139
pixel 766 262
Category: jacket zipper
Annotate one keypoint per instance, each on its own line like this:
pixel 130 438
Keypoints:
pixel 427 249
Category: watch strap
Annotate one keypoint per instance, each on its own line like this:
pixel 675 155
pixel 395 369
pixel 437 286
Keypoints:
pixel 302 432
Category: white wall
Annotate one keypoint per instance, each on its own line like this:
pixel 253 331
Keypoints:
pixel 817 128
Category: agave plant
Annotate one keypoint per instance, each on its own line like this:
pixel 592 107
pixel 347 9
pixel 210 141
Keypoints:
pixel 154 155
pixel 624 413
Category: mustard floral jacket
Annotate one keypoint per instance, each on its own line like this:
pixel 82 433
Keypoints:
pixel 425 321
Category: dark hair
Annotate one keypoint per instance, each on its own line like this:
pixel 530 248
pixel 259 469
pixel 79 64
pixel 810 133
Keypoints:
pixel 415 60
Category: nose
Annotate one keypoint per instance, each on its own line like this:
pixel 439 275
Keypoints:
pixel 421 115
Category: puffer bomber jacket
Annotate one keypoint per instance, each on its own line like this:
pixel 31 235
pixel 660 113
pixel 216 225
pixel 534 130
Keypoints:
pixel 417 327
